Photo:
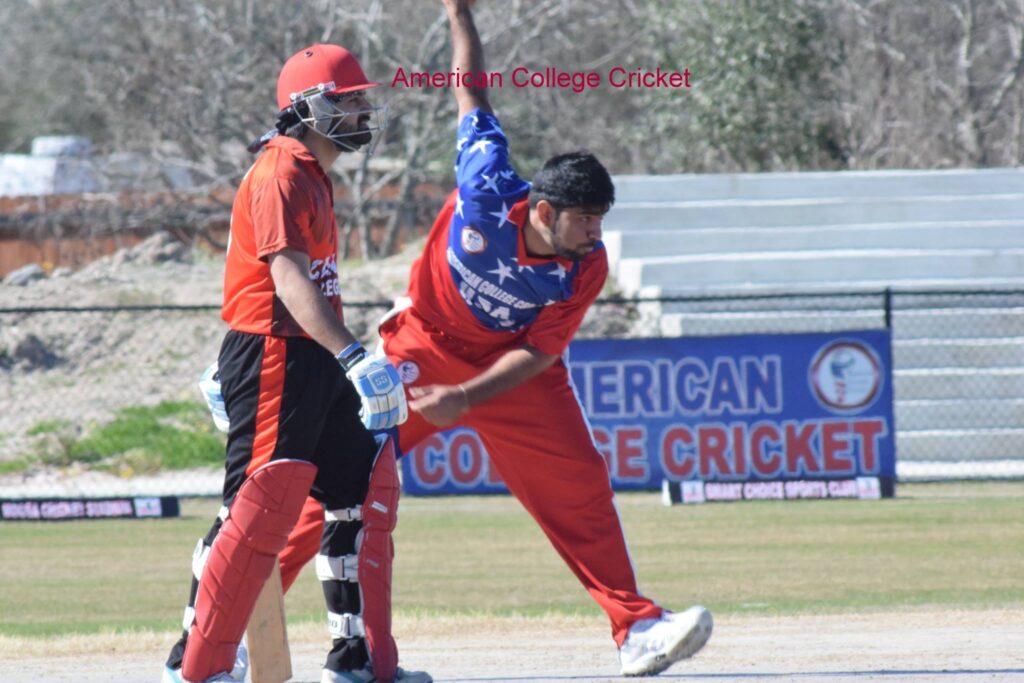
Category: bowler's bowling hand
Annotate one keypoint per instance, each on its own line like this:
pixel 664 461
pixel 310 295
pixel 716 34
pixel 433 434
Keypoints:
pixel 439 404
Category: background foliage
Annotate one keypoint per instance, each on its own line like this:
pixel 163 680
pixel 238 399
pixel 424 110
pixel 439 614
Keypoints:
pixel 777 84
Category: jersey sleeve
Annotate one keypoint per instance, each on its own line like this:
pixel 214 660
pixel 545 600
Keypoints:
pixel 281 215
pixel 557 323
pixel 485 178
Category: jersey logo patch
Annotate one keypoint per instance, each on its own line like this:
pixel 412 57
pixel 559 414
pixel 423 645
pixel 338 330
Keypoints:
pixel 472 241
pixel 408 371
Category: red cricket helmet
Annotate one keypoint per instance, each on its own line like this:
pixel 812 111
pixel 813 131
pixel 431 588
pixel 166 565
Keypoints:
pixel 319 68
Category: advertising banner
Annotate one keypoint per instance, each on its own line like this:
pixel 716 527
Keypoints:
pixel 61 509
pixel 717 418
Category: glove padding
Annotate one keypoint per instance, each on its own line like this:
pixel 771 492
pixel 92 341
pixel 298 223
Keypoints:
pixel 375 379
pixel 209 385
pixel 381 391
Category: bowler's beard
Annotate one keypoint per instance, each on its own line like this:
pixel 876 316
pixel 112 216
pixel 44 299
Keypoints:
pixel 565 252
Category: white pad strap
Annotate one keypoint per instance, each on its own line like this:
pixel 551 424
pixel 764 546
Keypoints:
pixel 199 556
pixel 340 568
pixel 345 625
pixel 189 618
pixel 344 514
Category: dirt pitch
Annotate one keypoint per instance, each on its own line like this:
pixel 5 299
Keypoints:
pixel 920 645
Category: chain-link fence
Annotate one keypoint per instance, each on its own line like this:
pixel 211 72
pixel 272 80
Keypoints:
pixel 102 401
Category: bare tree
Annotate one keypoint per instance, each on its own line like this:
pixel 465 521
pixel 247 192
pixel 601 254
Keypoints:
pixel 194 80
pixel 794 84
pixel 934 84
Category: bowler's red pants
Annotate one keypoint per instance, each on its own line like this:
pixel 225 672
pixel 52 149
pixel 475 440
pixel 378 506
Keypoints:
pixel 537 438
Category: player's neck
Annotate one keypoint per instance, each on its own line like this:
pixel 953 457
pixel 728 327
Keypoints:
pixel 537 239
pixel 323 150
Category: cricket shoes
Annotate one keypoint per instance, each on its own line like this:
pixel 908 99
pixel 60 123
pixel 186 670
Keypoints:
pixel 653 645
pixel 365 675
pixel 237 674
pixel 174 676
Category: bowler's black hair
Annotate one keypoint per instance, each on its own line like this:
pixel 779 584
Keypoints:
pixel 573 180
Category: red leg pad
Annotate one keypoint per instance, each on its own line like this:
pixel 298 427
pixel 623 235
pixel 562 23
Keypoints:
pixel 303 542
pixel 241 559
pixel 376 552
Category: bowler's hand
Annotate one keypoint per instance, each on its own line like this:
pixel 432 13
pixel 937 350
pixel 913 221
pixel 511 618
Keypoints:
pixel 439 404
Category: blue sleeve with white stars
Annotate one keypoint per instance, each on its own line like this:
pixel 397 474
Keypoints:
pixel 483 241
pixel 482 170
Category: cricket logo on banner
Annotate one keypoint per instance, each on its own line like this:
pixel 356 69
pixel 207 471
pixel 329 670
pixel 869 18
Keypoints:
pixel 846 376
pixel 717 418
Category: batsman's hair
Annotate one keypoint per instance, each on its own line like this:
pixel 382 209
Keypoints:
pixel 289 123
pixel 574 179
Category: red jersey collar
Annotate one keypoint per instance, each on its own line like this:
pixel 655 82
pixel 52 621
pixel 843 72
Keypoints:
pixel 298 150
pixel 520 215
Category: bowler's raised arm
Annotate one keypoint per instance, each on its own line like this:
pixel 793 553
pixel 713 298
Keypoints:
pixel 467 56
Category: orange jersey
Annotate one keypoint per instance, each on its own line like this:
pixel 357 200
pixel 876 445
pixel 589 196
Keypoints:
pixel 285 201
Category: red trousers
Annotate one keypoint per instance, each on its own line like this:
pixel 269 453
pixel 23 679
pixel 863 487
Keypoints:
pixel 539 442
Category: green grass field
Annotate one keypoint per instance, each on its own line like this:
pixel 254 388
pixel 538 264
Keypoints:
pixel 138 440
pixel 934 545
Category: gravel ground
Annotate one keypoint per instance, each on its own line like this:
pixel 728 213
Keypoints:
pixel 893 647
pixel 83 366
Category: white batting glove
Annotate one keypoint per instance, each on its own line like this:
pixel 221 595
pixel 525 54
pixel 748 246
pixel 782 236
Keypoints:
pixel 209 385
pixel 378 385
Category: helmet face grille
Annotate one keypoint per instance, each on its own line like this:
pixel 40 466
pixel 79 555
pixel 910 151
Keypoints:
pixel 341 126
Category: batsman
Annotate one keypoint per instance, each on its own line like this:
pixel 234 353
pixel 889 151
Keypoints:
pixel 302 395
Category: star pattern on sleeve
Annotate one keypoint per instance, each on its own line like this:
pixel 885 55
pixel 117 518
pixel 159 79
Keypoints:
pixel 491 182
pixel 480 146
pixel 502 215
pixel 521 267
pixel 503 289
pixel 502 271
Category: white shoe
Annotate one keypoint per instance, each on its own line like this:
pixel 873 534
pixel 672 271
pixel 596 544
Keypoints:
pixel 654 645
pixel 365 675
pixel 174 676
pixel 237 674
pixel 241 668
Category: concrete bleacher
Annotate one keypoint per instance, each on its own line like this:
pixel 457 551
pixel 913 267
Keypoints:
pixel 64 164
pixel 958 370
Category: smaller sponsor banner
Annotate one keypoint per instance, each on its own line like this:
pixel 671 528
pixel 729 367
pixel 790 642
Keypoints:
pixel 61 509
pixel 695 491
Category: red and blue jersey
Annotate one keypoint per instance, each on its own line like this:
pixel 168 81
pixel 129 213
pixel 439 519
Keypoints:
pixel 475 280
